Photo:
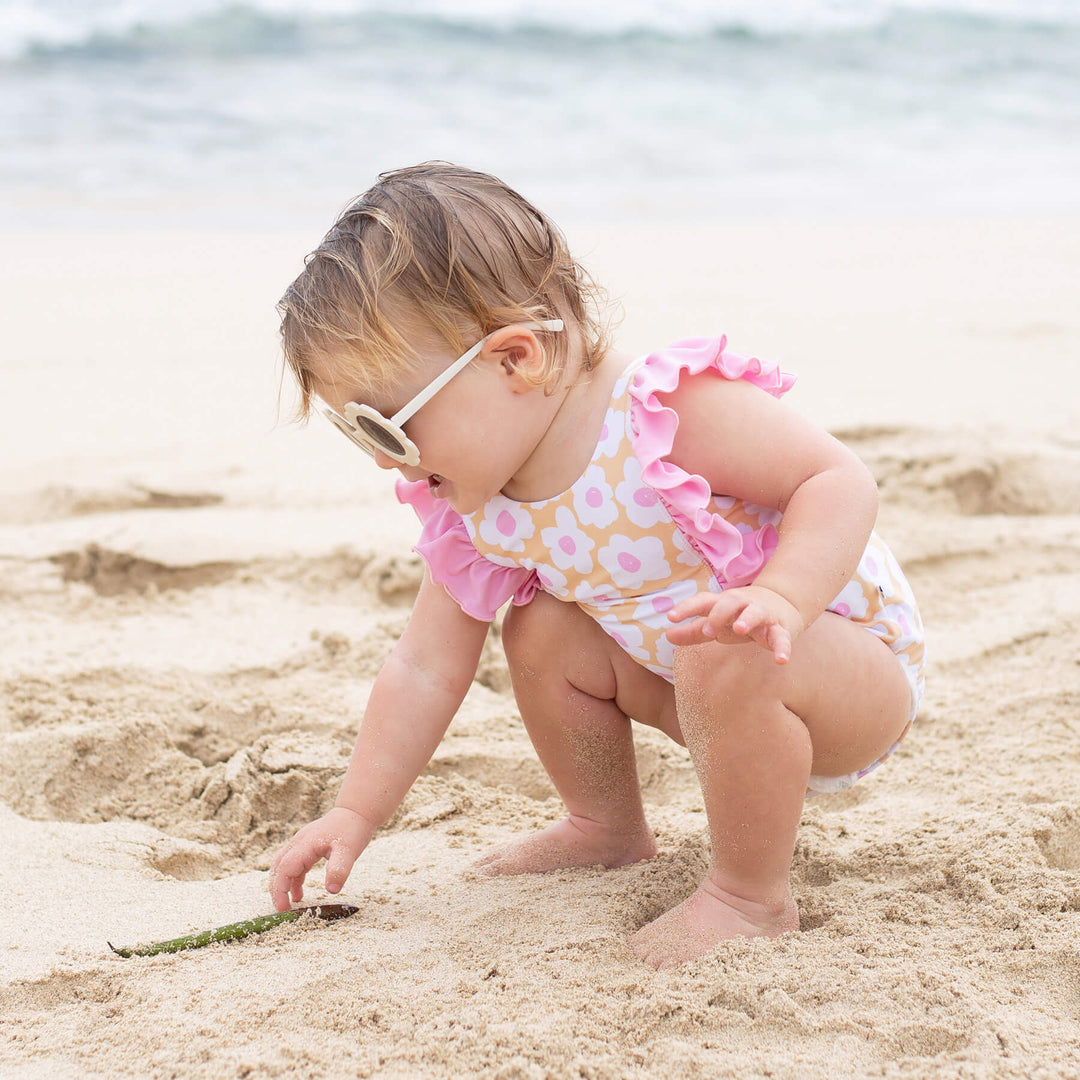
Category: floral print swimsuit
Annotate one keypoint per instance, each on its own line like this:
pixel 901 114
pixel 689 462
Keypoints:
pixel 636 535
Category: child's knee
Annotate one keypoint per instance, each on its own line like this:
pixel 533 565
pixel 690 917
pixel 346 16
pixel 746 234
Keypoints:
pixel 722 670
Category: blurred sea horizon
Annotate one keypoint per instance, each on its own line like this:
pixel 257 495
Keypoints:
pixel 208 111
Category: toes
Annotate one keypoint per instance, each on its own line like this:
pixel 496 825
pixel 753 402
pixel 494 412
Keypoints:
pixel 498 862
pixel 487 864
pixel 652 955
pixel 643 945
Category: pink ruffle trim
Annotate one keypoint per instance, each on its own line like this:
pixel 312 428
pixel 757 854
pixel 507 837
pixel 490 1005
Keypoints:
pixel 479 586
pixel 735 557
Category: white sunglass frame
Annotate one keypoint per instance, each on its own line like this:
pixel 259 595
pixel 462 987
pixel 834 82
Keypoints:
pixel 409 454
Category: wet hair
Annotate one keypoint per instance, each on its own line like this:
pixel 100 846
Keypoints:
pixel 435 251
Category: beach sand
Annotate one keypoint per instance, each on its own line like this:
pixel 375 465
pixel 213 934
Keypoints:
pixel 196 600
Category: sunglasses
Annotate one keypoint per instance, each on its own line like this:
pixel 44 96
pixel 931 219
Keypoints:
pixel 372 431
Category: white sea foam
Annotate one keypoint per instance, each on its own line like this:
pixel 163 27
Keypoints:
pixel 29 26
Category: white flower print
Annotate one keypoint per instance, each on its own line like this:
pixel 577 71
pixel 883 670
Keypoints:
pixel 874 569
pixel 915 678
pixel 766 515
pixel 899 583
pixel 665 656
pixel 687 555
pixel 633 562
pixel 626 635
pixel 851 601
pixel 623 381
pixel 659 669
pixel 900 615
pixel 611 434
pixel 503 560
pixel 551 580
pixel 601 598
pixel 643 505
pixel 568 545
pixel 506 524
pixel 554 581
pixel 652 609
pixel 594 501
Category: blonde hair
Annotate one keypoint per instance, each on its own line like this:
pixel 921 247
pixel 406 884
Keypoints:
pixel 442 246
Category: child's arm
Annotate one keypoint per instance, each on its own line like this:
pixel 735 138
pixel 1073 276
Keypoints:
pixel 415 696
pixel 747 444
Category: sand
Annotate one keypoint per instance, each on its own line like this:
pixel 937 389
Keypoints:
pixel 196 601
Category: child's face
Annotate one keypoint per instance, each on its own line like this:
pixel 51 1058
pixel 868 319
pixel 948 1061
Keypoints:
pixel 474 435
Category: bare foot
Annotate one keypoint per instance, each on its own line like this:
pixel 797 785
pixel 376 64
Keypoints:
pixel 704 919
pixel 572 842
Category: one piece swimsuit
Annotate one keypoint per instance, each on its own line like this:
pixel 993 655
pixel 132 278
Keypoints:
pixel 636 534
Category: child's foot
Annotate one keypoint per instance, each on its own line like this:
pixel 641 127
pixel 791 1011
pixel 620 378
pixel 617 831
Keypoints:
pixel 572 842
pixel 704 919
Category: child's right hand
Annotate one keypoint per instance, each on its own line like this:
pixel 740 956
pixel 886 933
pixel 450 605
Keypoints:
pixel 339 837
pixel 751 613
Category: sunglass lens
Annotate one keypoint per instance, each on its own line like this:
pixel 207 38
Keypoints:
pixel 382 438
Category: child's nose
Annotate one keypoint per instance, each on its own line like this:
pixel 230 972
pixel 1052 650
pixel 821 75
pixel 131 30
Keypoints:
pixel 384 461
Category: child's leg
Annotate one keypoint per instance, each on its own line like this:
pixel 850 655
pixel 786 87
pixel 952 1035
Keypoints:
pixel 573 685
pixel 756 731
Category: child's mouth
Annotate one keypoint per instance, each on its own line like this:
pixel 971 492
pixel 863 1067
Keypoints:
pixel 434 482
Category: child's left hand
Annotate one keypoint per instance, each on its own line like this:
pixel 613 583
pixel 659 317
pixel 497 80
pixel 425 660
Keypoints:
pixel 736 616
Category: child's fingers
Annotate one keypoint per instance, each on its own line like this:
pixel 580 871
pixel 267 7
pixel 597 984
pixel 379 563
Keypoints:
pixel 699 604
pixel 779 641
pixel 688 633
pixel 762 626
pixel 337 868
pixel 279 885
pixel 288 871
pixel 725 611
pixel 749 619
pixel 729 617
pixel 282 887
pixel 770 635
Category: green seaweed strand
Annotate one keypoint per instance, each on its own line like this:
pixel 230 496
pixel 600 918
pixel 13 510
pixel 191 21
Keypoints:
pixel 237 930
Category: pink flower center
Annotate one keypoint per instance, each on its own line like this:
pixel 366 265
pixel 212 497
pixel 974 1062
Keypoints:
pixel 662 603
pixel 505 523
pixel 645 497
pixel 567 544
pixel 594 497
pixel 628 562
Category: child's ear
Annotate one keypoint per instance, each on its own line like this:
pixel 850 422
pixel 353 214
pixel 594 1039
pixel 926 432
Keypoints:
pixel 519 352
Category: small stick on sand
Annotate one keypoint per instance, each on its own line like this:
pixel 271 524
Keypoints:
pixel 235 931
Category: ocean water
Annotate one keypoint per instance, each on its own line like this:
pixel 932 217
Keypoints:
pixel 279 110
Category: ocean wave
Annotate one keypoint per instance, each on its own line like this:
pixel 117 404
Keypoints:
pixel 114 29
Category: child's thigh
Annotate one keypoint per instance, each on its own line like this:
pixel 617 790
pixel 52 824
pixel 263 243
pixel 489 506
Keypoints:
pixel 845 684
pixel 851 692
pixel 550 640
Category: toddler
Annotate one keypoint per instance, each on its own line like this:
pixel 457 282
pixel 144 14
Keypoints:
pixel 678 548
